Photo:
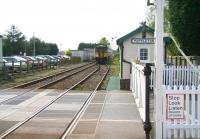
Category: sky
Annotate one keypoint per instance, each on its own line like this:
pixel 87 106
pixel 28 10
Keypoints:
pixel 70 22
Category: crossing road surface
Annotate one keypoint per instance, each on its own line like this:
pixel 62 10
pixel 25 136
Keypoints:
pixel 110 115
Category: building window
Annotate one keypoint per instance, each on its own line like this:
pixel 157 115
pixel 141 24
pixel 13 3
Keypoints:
pixel 143 54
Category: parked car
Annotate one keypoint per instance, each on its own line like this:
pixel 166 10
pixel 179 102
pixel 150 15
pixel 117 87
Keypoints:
pixel 51 60
pixel 16 62
pixel 42 60
pixel 57 58
pixel 31 60
pixel 5 65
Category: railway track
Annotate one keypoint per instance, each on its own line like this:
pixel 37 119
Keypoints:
pixel 71 121
pixel 42 83
pixel 38 82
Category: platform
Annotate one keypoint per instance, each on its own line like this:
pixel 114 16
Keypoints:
pixel 114 83
pixel 111 115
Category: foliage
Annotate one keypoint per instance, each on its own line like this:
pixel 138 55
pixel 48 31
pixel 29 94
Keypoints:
pixel 116 59
pixel 68 52
pixel 86 45
pixel 16 44
pixel 104 42
pixel 172 50
pixel 184 20
pixel 75 59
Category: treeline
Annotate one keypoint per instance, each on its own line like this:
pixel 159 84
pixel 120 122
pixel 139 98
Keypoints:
pixel 15 43
pixel 102 41
pixel 82 46
pixel 182 20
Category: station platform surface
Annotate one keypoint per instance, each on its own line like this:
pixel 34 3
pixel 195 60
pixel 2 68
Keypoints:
pixel 111 115
pixel 113 84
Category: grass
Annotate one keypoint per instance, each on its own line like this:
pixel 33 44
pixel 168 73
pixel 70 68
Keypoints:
pixel 22 78
pixel 114 70
pixel 115 65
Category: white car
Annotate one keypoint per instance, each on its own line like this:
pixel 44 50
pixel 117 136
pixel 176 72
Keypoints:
pixel 15 62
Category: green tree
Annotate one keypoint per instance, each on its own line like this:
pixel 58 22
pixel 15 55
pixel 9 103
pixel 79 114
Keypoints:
pixel 14 44
pixel 82 45
pixel 104 41
pixel 184 21
pixel 150 17
pixel 68 52
pixel 41 47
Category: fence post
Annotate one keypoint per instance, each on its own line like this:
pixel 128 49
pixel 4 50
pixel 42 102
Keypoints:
pixel 147 123
pixel 20 67
pixel 13 68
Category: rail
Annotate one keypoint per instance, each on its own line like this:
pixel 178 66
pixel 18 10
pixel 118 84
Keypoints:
pixel 48 84
pixel 15 127
pixel 77 117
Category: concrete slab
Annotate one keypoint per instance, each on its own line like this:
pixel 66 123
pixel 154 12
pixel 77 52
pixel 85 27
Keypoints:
pixel 116 117
pixel 110 115
pixel 119 130
pixel 5 125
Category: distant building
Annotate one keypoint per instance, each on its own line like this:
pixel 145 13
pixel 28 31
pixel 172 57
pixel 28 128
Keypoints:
pixel 61 53
pixel 82 54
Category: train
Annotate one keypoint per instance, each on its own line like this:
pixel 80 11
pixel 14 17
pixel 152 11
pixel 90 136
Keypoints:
pixel 102 55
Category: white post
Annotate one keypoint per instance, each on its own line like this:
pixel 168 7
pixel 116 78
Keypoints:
pixel 1 50
pixel 159 64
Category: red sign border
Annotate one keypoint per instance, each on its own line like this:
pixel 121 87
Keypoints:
pixel 167 106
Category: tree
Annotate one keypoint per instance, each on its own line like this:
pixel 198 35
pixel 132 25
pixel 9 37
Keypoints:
pixel 184 21
pixel 104 41
pixel 14 44
pixel 150 17
pixel 82 45
pixel 68 52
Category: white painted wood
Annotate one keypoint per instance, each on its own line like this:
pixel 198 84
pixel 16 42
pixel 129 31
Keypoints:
pixel 159 64
pixel 193 112
pixel 182 120
pixel 198 113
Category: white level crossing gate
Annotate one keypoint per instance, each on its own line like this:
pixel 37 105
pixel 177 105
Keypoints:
pixel 181 102
pixel 180 99
pixel 181 114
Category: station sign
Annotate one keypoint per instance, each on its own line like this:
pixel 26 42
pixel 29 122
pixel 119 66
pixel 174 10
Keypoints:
pixel 175 106
pixel 143 40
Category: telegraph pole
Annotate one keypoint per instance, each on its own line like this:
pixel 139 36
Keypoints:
pixel 159 65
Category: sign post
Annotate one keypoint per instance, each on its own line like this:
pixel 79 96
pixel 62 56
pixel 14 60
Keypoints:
pixel 159 65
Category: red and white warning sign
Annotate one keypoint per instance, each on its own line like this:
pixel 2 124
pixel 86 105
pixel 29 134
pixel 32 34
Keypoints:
pixel 175 106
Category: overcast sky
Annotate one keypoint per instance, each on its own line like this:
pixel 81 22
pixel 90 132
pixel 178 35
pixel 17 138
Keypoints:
pixel 69 22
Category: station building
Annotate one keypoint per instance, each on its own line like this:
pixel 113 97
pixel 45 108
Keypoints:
pixel 136 46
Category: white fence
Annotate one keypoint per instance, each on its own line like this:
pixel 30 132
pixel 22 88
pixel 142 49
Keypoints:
pixel 178 76
pixel 189 125
pixel 180 81
pixel 181 76
pixel 138 83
